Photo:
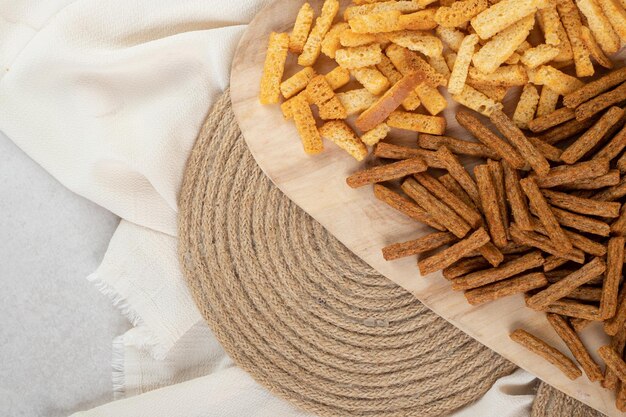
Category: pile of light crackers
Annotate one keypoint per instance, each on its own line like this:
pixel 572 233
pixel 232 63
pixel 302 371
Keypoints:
pixel 542 213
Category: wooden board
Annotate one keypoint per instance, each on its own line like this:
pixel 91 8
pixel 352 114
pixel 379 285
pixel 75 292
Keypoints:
pixel 365 225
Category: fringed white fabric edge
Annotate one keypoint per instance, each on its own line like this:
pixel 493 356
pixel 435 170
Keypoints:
pixel 149 339
pixel 117 363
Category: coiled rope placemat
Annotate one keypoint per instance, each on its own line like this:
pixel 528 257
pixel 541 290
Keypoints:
pixel 302 314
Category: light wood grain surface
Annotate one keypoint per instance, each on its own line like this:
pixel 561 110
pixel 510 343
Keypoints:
pixel 365 225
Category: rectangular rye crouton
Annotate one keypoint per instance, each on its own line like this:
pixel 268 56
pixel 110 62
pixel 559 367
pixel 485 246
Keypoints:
pixel 313 45
pixel 359 57
pixel 502 15
pixel 405 206
pixel 301 29
pixel 455 252
pixel 344 137
pixel 274 68
pixel 495 52
pixel 417 122
pixel 386 172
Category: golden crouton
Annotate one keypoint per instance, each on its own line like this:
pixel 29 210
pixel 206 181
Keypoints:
pixel 539 55
pixel 356 101
pixel 359 57
pixel 502 15
pixel 417 41
pixel 497 94
pixel 547 101
pixel 313 45
pixel 375 135
pixel 433 125
pixel 332 109
pixel 297 82
pixel 477 101
pixel 505 76
pixel 432 100
pixel 450 37
pixel 526 106
pixel 572 24
pixel 344 137
pixel 556 80
pixel 305 123
pixel 407 61
pixel 600 26
pixel 513 59
pixel 386 67
pixel 372 79
pixel 331 42
pixel 462 63
pixel 338 77
pixel 319 90
pixel 301 29
pixel 554 32
pixel 503 45
pixel 594 49
pixel 274 68
pixel 440 65
pixel 401 6
pixel 388 21
pixel 422 20
pixel 616 15
pixel 459 12
pixel 287 106
pixel 350 38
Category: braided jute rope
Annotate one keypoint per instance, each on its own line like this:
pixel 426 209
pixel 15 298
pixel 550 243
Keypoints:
pixel 551 402
pixel 302 314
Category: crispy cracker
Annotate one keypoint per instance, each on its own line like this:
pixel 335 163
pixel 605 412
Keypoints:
pixel 548 100
pixel 459 12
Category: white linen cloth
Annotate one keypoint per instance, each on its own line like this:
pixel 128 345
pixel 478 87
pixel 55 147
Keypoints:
pixel 108 96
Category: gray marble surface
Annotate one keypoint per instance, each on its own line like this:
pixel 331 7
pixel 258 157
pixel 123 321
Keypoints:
pixel 55 327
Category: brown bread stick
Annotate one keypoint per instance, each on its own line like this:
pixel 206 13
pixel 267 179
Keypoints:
pixel 578 241
pixel 546 216
pixel 455 252
pixel 415 247
pixel 612 149
pixel 453 186
pixel 621 163
pixel 457 146
pixel 459 173
pixel 613 361
pixel 586 293
pixel 613 193
pixel 601 102
pixel 467 213
pixel 617 344
pixel 551 153
pixel 405 206
pixel 386 172
pixel 443 214
pixel 553 262
pixel 574 309
pixel 391 151
pixel 514 134
pixel 566 174
pixel 465 266
pixel 592 89
pixel 557 117
pixel 516 285
pixel 593 136
pixel 610 288
pixel 549 353
pixel 497 174
pixel 538 241
pixel 504 271
pixel 565 331
pixel 474 125
pixel 607 180
pixel 614 324
pixel 581 223
pixel 579 324
pixel 618 227
pixel 516 198
pixel 582 205
pixel 492 254
pixel 490 206
pixel 565 131
pixel 560 289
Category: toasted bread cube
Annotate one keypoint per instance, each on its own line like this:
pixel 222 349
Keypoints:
pixel 297 82
pixel 459 12
pixel 372 137
pixel 556 80
pixel 450 37
pixel 439 64
pixel 359 57
pixel 381 22
pixel 502 15
pixel 305 123
pixel 372 79
pixel 350 38
pixel 287 106
pixel 301 29
pixel 313 45
pixel 274 68
pixel 594 49
pixel 495 52
pixel 385 66
pixel 506 76
pixel 433 125
pixel 600 26
pixel 526 106
pixel 477 101
pixel 616 15
pixel 356 101
pixel 422 20
pixel 332 110
pixel 331 42
pixel 462 63
pixel 417 41
pixel 572 24
pixel 338 77
pixel 319 90
pixel 547 101
pixel 539 55
pixel 377 7
pixel 431 99
pixel 344 137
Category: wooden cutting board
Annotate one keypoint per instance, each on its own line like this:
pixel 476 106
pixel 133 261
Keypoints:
pixel 365 225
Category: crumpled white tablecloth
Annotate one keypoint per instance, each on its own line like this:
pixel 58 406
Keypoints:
pixel 108 96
